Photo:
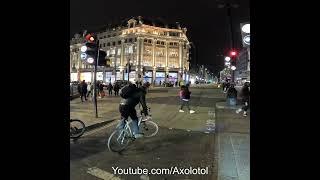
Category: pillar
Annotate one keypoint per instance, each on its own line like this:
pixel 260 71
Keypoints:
pixel 180 61
pixel 167 58
pixel 122 63
pixel 138 57
pixel 153 61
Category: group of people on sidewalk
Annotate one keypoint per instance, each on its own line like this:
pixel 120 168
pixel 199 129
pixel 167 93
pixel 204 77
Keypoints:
pixel 232 95
pixel 86 89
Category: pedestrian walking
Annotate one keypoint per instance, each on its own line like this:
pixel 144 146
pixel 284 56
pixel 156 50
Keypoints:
pixel 245 95
pixel 232 95
pixel 83 90
pixel 89 90
pixel 116 89
pixel 160 83
pixel 184 94
pixel 110 88
pixel 101 91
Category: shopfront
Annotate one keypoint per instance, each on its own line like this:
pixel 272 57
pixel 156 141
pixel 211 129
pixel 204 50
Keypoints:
pixel 132 76
pixel 173 77
pixel 85 76
pixel 99 76
pixel 73 77
pixel 160 76
pixel 109 77
pixel 148 77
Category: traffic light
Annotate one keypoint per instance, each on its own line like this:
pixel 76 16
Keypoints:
pixel 233 53
pixel 89 52
pixel 102 59
pixel 90 38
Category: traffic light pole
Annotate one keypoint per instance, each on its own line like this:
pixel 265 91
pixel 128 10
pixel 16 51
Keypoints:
pixel 95 83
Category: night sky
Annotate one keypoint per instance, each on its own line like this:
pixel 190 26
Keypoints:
pixel 207 25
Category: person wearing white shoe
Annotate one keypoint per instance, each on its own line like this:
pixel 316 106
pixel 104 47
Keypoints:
pixel 184 94
pixel 245 93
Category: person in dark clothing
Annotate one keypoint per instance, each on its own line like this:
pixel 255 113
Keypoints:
pixel 232 92
pixel 110 88
pixel 127 107
pixel 245 94
pixel 116 89
pixel 83 90
pixel 227 86
pixel 100 86
pixel 232 95
pixel 185 98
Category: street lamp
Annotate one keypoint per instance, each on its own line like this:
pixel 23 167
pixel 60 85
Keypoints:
pixel 227 58
pixel 233 68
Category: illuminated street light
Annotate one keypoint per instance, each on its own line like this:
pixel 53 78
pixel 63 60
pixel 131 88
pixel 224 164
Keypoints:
pixel 227 58
pixel 233 68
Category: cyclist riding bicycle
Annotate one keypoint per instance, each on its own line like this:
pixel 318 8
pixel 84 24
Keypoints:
pixel 132 96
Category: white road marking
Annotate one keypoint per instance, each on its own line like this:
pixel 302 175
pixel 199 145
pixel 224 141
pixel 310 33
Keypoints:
pixel 102 174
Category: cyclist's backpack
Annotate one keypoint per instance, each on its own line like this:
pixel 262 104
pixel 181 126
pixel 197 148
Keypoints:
pixel 127 91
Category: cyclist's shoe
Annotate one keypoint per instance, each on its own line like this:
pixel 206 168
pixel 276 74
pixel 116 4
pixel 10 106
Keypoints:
pixel 139 135
pixel 181 110
pixel 245 114
pixel 192 111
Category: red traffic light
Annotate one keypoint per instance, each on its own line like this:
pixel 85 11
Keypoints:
pixel 90 38
pixel 233 53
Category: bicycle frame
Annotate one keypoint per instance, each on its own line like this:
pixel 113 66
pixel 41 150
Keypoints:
pixel 128 122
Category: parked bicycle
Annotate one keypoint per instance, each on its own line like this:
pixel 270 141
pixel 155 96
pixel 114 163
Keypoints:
pixel 121 138
pixel 77 128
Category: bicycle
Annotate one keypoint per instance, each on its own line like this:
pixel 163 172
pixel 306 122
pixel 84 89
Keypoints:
pixel 122 137
pixel 77 128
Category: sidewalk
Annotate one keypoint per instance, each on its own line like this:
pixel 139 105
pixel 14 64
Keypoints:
pixel 232 143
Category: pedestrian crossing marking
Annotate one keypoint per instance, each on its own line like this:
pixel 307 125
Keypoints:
pixel 102 174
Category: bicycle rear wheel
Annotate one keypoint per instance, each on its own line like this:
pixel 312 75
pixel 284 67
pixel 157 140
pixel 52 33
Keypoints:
pixel 119 140
pixel 148 128
pixel 77 128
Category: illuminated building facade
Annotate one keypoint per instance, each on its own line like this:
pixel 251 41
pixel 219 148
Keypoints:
pixel 156 53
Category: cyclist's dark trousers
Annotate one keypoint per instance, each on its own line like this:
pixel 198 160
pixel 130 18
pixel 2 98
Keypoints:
pixel 83 94
pixel 110 92
pixel 127 111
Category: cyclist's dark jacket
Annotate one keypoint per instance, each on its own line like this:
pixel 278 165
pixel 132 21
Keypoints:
pixel 138 97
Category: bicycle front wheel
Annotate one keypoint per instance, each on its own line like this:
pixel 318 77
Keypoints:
pixel 119 140
pixel 77 128
pixel 148 128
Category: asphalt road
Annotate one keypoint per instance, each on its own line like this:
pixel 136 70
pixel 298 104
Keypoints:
pixel 181 142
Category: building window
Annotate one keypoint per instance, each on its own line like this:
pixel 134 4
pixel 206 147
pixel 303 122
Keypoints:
pixel 104 36
pixel 125 40
pixel 108 44
pixel 149 41
pixel 158 42
pixel 113 43
pixel 146 40
pixel 119 42
pixel 162 43
pixel 109 35
pixel 130 40
pixel 114 35
pixel 135 39
pixel 104 44
pixel 100 45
